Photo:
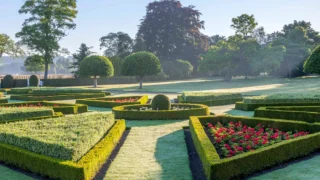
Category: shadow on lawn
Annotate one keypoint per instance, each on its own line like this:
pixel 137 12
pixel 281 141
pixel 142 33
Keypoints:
pixel 172 154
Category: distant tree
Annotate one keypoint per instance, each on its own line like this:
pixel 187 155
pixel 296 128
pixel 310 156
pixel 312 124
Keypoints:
pixel 244 25
pixel 215 39
pixel 9 47
pixel 177 69
pixel 46 25
pixel 260 35
pixel 34 63
pixel 116 44
pixel 82 53
pixel 96 66
pixel 141 64
pixel 117 64
pixel 172 31
pixel 312 64
pixel 310 32
pixel 62 65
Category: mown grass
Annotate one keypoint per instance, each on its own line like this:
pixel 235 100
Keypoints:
pixel 67 138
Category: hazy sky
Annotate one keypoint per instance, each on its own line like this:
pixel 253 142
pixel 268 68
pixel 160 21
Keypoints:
pixel 97 18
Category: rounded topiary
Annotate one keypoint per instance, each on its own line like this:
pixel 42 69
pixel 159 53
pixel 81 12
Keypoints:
pixel 7 81
pixel 141 64
pixel 160 102
pixel 34 81
pixel 96 66
pixel 312 64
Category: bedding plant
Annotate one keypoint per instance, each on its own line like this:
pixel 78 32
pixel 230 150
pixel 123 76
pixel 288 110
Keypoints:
pixel 235 138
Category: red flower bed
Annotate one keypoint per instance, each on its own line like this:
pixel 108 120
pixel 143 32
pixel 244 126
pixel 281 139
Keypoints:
pixel 121 100
pixel 236 138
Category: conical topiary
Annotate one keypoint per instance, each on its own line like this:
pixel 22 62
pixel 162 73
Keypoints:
pixel 161 102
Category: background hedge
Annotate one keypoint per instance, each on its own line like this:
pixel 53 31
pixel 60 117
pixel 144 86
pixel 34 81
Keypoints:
pixel 34 80
pixel 7 81
pixel 210 99
pixel 85 169
pixel 122 112
pixel 97 102
pixel 29 97
pixel 309 114
pixel 250 162
pixel 251 107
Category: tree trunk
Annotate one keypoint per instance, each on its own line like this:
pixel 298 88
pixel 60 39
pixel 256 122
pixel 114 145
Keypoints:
pixel 46 68
pixel 95 82
pixel 141 81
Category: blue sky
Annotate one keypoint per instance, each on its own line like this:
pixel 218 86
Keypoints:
pixel 97 18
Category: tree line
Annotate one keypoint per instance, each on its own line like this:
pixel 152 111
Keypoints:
pixel 172 32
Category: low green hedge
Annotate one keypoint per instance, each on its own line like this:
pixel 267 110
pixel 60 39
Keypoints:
pixel 284 98
pixel 60 91
pixel 128 112
pixel 3 100
pixel 250 162
pixel 251 107
pixel 10 113
pixel 209 98
pixel 309 114
pixel 84 169
pixel 57 107
pixel 55 115
pixel 20 91
pixel 106 103
pixel 28 97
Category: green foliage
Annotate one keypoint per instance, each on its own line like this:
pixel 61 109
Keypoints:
pixel 172 31
pixel 96 66
pixel 284 98
pixel 85 169
pixel 3 100
pixel 215 168
pixel 141 64
pixel 31 97
pixel 177 69
pixel 110 102
pixel 82 53
pixel 57 107
pixel 252 106
pixel 209 98
pixel 7 81
pixel 116 44
pixel 67 138
pixel 9 47
pixel 34 64
pixel 299 113
pixel 20 90
pixel 312 64
pixel 46 24
pixel 61 91
pixel 34 80
pixel 132 112
pixel 244 25
pixel 117 64
pixel 13 113
pixel 161 102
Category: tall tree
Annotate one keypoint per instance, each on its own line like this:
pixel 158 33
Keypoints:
pixel 46 26
pixel 9 47
pixel 34 63
pixel 310 32
pixel 170 30
pixel 82 53
pixel 116 44
pixel 215 39
pixel 244 25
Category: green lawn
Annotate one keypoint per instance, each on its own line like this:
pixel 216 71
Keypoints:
pixel 255 86
pixel 152 150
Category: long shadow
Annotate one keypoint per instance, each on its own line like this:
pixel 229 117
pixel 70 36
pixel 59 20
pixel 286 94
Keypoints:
pixel 172 154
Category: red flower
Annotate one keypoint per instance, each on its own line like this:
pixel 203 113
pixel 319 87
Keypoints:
pixel 249 147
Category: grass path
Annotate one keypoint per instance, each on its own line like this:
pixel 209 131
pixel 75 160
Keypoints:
pixel 9 174
pixel 152 150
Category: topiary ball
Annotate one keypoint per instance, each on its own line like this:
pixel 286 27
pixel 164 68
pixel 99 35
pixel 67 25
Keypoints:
pixel 34 81
pixel 161 102
pixel 96 66
pixel 7 81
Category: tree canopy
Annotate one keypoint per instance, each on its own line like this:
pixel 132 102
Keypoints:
pixel 116 44
pixel 34 63
pixel 244 25
pixel 9 47
pixel 46 25
pixel 83 52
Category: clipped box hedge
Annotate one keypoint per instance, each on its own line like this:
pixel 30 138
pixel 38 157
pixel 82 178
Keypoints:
pixel 12 113
pixel 64 108
pixel 20 91
pixel 251 162
pixel 3 100
pixel 59 91
pixel 284 98
pixel 210 98
pixel 131 112
pixel 84 169
pixel 309 114
pixel 251 107
pixel 108 103
pixel 30 97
